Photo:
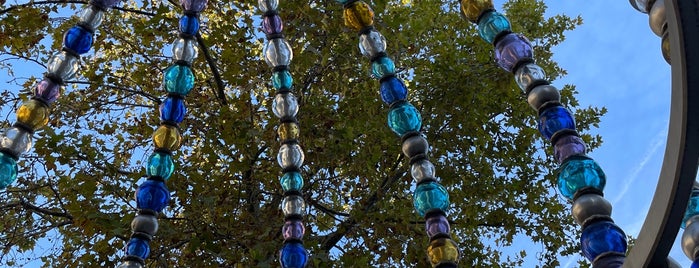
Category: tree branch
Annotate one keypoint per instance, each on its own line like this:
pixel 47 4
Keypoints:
pixel 220 87
pixel 51 2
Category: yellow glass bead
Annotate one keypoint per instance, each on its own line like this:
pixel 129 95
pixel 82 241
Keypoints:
pixel 34 114
pixel 665 47
pixel 288 131
pixel 443 250
pixel 167 137
pixel 472 9
pixel 359 15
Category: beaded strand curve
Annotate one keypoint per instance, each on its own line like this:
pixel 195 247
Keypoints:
pixel 153 196
pixel 278 54
pixel 580 179
pixel 430 199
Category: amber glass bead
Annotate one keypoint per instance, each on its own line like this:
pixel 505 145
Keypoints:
pixel 288 131
pixel 443 250
pixel 167 137
pixel 359 15
pixel 665 46
pixel 33 113
pixel 472 9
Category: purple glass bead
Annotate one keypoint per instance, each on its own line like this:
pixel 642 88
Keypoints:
pixel 437 225
pixel 105 3
pixel 272 24
pixel 293 230
pixel 512 48
pixel 193 5
pixel 47 91
pixel 568 146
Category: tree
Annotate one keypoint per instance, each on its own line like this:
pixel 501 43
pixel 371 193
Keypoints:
pixel 75 188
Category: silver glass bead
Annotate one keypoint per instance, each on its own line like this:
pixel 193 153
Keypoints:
pixel 415 145
pixel 528 73
pixel 589 205
pixel 267 5
pixel 423 169
pixel 15 140
pixel 690 241
pixel 63 65
pixel 285 105
pixel 656 17
pixel 293 205
pixel 130 264
pixel 542 94
pixel 372 43
pixel 91 16
pixel 145 224
pixel 640 5
pixel 278 52
pixel 185 49
pixel 290 156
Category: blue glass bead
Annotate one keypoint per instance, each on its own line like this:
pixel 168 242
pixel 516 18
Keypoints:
pixel 138 247
pixel 392 90
pixel 430 195
pixel 578 172
pixel 8 170
pixel 179 79
pixel 152 194
pixel 291 181
pixel 160 165
pixel 282 79
pixel 189 24
pixel 404 118
pixel 382 67
pixel 78 39
pixel 491 24
pixel 692 207
pixel 695 264
pixel 555 119
pixel 293 255
pixel 173 110
pixel 601 237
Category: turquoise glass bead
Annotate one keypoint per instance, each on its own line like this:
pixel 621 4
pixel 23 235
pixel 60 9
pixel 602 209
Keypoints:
pixel 404 118
pixel 491 24
pixel 291 181
pixel 8 170
pixel 282 79
pixel 692 207
pixel 179 79
pixel 579 172
pixel 160 165
pixel 429 196
pixel 382 67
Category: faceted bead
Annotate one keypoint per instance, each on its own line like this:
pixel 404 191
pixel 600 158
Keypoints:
pixel 512 48
pixel 8 170
pixel 185 49
pixel 692 207
pixel 15 140
pixel 285 105
pixel 491 24
pixel 437 224
pixel 272 24
pixel 293 205
pixel 291 181
pixel 293 229
pixel 173 110
pixel 267 5
pixel 429 196
pixel 167 137
pixel 293 255
pixel 555 119
pixel 105 3
pixel 178 79
pixel 290 156
pixel 277 52
pixel 91 17
pixel 33 113
pixel 541 94
pixel 423 169
pixel 392 90
pixel 47 91
pixel 193 5
pixel 189 24
pixel 282 79
pixel 527 74
pixel 656 17
pixel 78 39
pixel 579 172
pixel 138 247
pixel 601 237
pixel 63 65
pixel 372 43
pixel 288 131
pixel 443 250
pixel 404 118
pixel 568 146
pixel 472 9
pixel 160 165
pixel 359 15
pixel 153 195
pixel 130 264
pixel 382 67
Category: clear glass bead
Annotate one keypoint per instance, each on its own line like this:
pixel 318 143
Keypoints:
pixel 277 52
pixel 91 16
pixel 285 105
pixel 63 65
pixel 290 156
pixel 293 205
pixel 640 5
pixel 528 73
pixel 185 49
pixel 267 5
pixel 372 43
pixel 423 169
pixel 15 140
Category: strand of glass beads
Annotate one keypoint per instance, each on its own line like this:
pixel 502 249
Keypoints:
pixel 278 54
pixel 33 114
pixel 153 195
pixel 431 199
pixel 690 223
pixel 580 178
pixel 656 20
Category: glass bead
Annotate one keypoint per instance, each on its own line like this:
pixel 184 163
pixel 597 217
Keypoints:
pixel 8 170
pixel 152 194
pixel 130 264
pixel 437 225
pixel 472 9
pixel 193 5
pixel 78 39
pixel 47 91
pixel 291 181
pixel 285 105
pixel 272 24
pixel 601 237
pixel 491 24
pixel 579 172
pixel 404 118
pixel 282 79
pixel 138 247
pixel 91 16
pixel 443 250
pixel 568 146
pixel 185 49
pixel 167 137
pixel 555 119
pixel 542 94
pixel 267 5
pixel 293 230
pixel 173 110
pixel 277 52
pixel 189 24
pixel 343 2
pixel 63 65
pixel 423 169
pixel 358 15
pixel 695 264
pixel 665 47
pixel 288 131
pixel 383 66
pixel 293 205
pixel 105 3
pixel 293 255
pixel 178 79
pixel 160 165
pixel 429 196
pixel 290 156
pixel 526 74
pixel 512 48
pixel 372 43
pixel 15 140
pixel 640 5
pixel 692 207
pixel 33 113
pixel 656 17
pixel 392 90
